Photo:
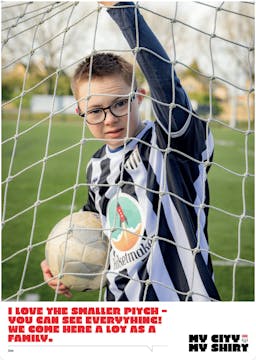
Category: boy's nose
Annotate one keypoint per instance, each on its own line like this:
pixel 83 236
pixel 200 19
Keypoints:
pixel 109 117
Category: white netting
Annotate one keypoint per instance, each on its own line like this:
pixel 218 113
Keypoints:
pixel 45 148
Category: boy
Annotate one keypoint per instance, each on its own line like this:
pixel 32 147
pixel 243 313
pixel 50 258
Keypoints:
pixel 148 183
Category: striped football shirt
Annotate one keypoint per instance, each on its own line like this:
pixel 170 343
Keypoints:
pixel 152 193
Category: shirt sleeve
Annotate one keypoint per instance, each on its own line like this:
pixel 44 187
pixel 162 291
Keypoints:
pixel 166 90
pixel 90 204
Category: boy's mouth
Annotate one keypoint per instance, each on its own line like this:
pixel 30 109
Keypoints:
pixel 115 133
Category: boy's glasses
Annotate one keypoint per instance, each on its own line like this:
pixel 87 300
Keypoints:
pixel 119 108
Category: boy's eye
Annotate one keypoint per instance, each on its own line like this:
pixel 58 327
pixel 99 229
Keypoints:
pixel 120 103
pixel 95 112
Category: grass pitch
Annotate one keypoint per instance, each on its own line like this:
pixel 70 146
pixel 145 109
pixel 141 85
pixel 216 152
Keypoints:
pixel 231 229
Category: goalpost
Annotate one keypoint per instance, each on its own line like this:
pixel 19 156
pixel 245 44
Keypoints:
pixel 45 147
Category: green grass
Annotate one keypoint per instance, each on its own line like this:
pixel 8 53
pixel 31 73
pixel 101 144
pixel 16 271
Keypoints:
pixel 230 236
pixel 59 174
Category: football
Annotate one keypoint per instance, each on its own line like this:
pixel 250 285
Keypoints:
pixel 77 248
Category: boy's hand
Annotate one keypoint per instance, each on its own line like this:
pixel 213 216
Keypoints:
pixel 108 3
pixel 62 289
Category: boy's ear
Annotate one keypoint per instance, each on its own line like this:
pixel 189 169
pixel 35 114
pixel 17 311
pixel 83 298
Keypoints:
pixel 140 94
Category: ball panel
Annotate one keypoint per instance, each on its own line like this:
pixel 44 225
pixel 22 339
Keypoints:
pixel 80 241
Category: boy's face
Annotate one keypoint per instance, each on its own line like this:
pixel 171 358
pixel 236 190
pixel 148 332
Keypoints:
pixel 113 130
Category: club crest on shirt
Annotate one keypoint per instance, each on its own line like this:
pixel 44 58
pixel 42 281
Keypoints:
pixel 126 226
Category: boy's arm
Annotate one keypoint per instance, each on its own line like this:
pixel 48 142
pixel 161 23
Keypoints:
pixel 155 64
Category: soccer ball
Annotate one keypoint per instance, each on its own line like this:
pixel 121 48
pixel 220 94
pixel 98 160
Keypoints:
pixel 77 247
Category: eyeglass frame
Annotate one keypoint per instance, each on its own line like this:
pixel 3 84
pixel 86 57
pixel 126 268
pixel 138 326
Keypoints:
pixel 83 115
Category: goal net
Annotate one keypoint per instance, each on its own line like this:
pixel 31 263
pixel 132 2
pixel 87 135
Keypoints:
pixel 46 146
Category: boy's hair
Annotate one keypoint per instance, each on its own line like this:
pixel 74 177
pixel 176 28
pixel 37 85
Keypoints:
pixel 103 64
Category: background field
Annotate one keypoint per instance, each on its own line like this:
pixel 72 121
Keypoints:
pixel 230 237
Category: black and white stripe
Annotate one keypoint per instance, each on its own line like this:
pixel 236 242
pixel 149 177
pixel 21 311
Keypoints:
pixel 171 190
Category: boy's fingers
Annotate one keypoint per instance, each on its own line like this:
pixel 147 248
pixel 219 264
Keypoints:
pixel 54 283
pixel 108 3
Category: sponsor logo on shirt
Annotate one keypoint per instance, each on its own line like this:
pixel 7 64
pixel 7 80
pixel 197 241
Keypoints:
pixel 126 227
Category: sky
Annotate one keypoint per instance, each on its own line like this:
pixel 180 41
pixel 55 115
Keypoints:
pixel 195 21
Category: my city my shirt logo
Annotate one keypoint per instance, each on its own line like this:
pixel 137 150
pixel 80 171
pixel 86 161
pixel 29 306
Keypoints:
pixel 126 226
pixel 218 343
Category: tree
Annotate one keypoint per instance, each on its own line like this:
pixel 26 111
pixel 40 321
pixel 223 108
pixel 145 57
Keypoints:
pixel 45 37
pixel 231 49
pixel 242 34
